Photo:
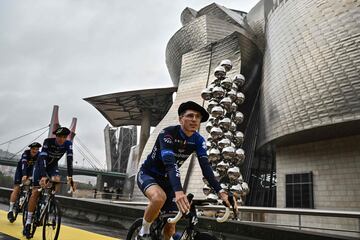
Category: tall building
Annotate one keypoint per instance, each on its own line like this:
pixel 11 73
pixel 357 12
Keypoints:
pixel 118 142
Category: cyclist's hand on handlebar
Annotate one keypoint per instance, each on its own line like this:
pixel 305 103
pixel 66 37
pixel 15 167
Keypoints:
pixel 70 182
pixel 225 198
pixel 43 182
pixel 24 178
pixel 182 201
pixel 229 200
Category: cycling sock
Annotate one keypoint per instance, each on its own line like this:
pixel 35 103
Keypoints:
pixel 29 216
pixel 11 206
pixel 145 229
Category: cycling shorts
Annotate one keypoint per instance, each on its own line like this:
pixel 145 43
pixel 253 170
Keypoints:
pixel 51 171
pixel 146 179
pixel 19 175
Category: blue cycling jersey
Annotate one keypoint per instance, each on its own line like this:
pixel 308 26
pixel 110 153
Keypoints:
pixel 52 152
pixel 171 149
pixel 27 162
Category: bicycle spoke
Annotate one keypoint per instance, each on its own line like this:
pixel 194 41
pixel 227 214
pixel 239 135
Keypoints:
pixel 52 221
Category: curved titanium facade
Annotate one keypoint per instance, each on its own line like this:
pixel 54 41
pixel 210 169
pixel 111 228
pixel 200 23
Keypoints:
pixel 311 72
pixel 211 24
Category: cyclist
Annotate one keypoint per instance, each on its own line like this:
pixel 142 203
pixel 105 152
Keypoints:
pixel 47 166
pixel 159 175
pixel 23 172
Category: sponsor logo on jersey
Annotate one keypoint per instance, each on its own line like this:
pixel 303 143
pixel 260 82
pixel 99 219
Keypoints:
pixel 204 145
pixel 177 170
pixel 180 155
pixel 168 139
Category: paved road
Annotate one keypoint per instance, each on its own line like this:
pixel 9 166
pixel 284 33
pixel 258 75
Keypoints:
pixel 69 229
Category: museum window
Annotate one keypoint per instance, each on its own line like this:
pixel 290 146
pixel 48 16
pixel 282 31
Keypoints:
pixel 299 190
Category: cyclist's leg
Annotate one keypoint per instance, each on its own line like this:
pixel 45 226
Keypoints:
pixel 17 182
pixel 157 197
pixel 34 195
pixel 54 173
pixel 169 230
pixel 14 194
pixel 169 206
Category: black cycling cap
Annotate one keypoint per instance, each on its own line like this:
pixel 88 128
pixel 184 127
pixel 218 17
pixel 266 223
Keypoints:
pixel 35 144
pixel 193 106
pixel 62 131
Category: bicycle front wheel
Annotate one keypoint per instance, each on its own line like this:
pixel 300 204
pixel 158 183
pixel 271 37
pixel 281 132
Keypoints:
pixel 134 229
pixel 52 221
pixel 204 236
pixel 25 212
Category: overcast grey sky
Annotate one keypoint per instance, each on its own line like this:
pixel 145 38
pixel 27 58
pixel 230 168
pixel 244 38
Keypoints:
pixel 59 52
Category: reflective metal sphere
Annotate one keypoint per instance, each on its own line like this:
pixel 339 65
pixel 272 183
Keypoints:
pixel 217 111
pixel 245 188
pixel 226 83
pixel 214 155
pixel 239 80
pixel 229 135
pixel 240 98
pixel 225 124
pixel 216 133
pixel 232 95
pixel 222 168
pixel 206 190
pixel 240 156
pixel 218 92
pixel 236 189
pixel 208 126
pixel 233 107
pixel 228 153
pixel 220 72
pixel 234 87
pixel 227 64
pixel 226 103
pixel 212 196
pixel 224 186
pixel 238 118
pixel 206 94
pixel 234 172
pixel 233 126
pixel 224 143
pixel 238 138
pixel 212 104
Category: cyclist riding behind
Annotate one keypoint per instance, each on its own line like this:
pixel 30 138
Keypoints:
pixel 23 172
pixel 47 166
pixel 159 175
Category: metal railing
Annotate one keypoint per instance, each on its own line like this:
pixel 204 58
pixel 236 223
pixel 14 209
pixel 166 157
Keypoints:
pixel 300 213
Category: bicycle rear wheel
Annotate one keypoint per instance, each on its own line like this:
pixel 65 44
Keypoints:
pixel 52 221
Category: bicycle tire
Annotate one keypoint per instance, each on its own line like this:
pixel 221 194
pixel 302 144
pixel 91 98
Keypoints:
pixel 52 221
pixel 16 208
pixel 204 236
pixel 25 212
pixel 134 229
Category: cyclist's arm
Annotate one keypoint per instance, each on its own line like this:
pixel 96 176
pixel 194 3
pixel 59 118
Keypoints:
pixel 24 164
pixel 205 165
pixel 69 159
pixel 43 156
pixel 168 158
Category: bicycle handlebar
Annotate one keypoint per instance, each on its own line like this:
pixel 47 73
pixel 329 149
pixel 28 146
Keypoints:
pixel 219 219
pixel 56 182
